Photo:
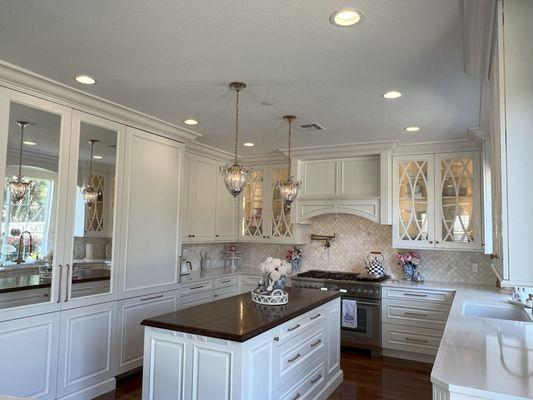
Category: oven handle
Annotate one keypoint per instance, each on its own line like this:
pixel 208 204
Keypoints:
pixel 364 303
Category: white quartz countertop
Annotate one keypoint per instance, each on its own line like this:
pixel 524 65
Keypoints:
pixel 212 273
pixel 490 358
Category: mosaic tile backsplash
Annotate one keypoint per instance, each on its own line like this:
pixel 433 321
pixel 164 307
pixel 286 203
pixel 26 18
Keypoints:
pixel 355 238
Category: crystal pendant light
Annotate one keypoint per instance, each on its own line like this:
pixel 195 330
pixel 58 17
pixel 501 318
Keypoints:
pixel 17 186
pixel 236 175
pixel 288 187
pixel 90 194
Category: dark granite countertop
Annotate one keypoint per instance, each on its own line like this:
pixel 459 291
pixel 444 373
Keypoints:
pixel 28 282
pixel 239 319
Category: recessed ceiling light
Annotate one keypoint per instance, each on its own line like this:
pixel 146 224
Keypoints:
pixel 248 144
pixel 85 79
pixel 346 17
pixel 190 121
pixel 29 143
pixel 412 129
pixel 393 94
pixel 98 157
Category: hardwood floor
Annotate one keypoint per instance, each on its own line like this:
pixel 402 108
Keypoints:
pixel 365 378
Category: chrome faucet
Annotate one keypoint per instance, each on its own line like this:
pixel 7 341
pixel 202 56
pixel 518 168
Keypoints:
pixel 19 259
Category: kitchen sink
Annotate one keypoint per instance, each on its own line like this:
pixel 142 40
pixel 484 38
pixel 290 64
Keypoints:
pixel 495 311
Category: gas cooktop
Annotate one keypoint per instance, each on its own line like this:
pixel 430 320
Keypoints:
pixel 341 276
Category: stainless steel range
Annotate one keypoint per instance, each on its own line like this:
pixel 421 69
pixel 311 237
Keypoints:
pixel 361 290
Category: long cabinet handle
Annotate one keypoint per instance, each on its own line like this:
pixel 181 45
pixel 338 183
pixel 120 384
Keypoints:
pixel 60 276
pixel 152 298
pixel 196 287
pixel 415 314
pixel 316 379
pixel 297 356
pixel 407 339
pixel 316 343
pixel 69 282
pixel 226 281
pixel 415 294
pixel 296 396
pixel 293 328
pixel 316 316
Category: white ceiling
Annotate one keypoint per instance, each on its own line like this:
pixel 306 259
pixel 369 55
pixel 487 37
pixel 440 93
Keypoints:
pixel 173 59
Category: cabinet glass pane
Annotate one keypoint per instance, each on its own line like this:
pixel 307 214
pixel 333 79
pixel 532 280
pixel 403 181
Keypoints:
pixel 28 222
pixel 93 229
pixel 413 198
pixel 281 216
pixel 457 200
pixel 252 206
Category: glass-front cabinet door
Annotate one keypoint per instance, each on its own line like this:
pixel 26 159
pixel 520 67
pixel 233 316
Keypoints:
pixel 95 172
pixel 252 218
pixel 281 226
pixel 413 199
pixel 34 142
pixel 457 190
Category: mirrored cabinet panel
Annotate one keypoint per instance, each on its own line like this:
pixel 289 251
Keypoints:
pixel 281 215
pixel 28 241
pixel 252 206
pixel 94 210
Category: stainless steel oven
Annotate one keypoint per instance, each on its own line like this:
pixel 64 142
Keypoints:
pixel 367 333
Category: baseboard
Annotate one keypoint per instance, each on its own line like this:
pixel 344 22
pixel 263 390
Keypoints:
pixel 92 391
pixel 426 358
pixel 330 387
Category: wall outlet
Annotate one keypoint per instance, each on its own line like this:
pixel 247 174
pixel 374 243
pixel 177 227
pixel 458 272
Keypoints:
pixel 474 267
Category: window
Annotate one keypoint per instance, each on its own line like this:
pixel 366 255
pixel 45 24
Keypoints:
pixel 32 214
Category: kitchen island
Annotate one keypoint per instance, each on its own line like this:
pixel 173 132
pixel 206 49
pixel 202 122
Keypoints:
pixel 236 349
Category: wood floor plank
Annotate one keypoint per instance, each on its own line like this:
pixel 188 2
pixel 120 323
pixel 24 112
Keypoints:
pixel 365 378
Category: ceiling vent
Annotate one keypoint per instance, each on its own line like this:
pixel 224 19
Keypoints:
pixel 312 127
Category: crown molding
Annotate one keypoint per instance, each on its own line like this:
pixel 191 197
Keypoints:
pixel 276 158
pixel 205 150
pixel 342 150
pixel 22 80
pixel 446 146
pixel 478 135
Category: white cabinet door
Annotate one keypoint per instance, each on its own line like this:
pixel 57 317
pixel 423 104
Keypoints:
pixel 28 362
pixel 226 212
pixel 319 179
pixel 152 199
pixel 86 347
pixel 413 202
pixel 201 200
pixel 130 332
pixel 360 177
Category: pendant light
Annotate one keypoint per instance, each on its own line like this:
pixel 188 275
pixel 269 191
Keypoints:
pixel 288 187
pixel 235 175
pixel 90 194
pixel 17 186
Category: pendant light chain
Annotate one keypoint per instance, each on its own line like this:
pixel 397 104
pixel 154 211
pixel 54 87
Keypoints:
pixel 91 162
pixel 290 129
pixel 236 138
pixel 22 126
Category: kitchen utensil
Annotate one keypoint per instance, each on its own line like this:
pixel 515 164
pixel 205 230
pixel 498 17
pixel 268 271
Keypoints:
pixel 374 263
pixel 186 267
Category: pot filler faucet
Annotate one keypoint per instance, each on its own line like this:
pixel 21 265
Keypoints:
pixel 19 259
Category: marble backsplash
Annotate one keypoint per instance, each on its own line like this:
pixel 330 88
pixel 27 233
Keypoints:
pixel 99 247
pixel 355 238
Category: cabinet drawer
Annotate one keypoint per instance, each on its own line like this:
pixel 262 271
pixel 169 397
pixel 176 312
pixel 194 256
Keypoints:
pixel 424 314
pixel 440 296
pixel 249 280
pixel 222 293
pixel 225 281
pixel 306 388
pixel 195 299
pixel 196 287
pixel 410 338
pixel 300 324
pixel 295 354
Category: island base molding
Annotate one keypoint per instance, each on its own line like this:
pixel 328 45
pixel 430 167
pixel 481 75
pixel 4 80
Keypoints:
pixel 441 392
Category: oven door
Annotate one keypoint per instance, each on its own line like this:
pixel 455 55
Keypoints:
pixel 367 332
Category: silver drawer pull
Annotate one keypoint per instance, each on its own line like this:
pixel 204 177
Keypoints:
pixel 415 340
pixel 152 298
pixel 293 328
pixel 226 281
pixel 316 343
pixel 297 356
pixel 297 396
pixel 316 316
pixel 196 287
pixel 415 294
pixel 316 379
pixel 415 314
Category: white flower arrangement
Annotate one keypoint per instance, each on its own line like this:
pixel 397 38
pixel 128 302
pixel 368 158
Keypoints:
pixel 274 272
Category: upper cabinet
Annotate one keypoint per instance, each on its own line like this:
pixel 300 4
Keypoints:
pixel 436 201
pixel 210 211
pixel 349 185
pixel 263 217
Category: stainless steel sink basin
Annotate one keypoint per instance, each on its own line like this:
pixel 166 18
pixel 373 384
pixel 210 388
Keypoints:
pixel 495 311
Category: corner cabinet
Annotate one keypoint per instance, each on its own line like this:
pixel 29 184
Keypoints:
pixel 263 217
pixel 436 201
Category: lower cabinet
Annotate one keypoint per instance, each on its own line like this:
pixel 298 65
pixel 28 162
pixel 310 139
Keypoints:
pixel 195 299
pixel 28 361
pixel 130 332
pixel 86 350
